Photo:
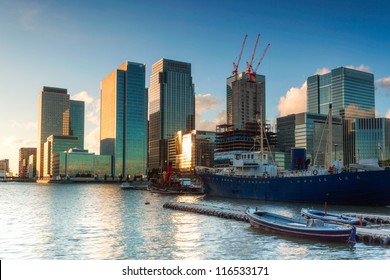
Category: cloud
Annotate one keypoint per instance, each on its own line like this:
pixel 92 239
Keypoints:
pixel 92 140
pixel 388 114
pixel 293 102
pixel 361 67
pixel 322 71
pixel 15 142
pixel 24 125
pixel 207 104
pixel 383 83
pixel 83 96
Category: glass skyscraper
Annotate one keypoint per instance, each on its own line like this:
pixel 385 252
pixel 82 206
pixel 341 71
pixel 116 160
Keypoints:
pixel 53 119
pixel 77 109
pixel 123 119
pixel 171 107
pixel 351 92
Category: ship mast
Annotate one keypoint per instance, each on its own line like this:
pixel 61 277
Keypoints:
pixel 329 142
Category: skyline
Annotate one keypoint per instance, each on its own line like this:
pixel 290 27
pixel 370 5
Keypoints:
pixel 75 45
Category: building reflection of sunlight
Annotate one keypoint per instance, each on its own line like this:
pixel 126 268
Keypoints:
pixel 288 250
pixel 186 236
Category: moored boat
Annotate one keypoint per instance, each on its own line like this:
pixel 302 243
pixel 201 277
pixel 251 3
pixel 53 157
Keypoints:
pixel 127 186
pixel 312 228
pixel 332 217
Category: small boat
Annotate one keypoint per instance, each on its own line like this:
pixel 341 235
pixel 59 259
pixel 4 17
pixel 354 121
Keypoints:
pixel 127 186
pixel 332 218
pixel 312 228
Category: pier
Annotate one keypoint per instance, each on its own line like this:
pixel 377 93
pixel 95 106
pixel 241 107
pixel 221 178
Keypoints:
pixel 375 234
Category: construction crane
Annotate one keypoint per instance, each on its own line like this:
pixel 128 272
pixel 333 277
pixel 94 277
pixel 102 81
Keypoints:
pixel 252 73
pixel 249 68
pixel 235 65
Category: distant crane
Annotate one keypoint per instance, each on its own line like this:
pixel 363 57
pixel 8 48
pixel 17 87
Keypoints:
pixel 249 68
pixel 252 74
pixel 235 65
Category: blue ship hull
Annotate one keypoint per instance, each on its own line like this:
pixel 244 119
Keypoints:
pixel 370 188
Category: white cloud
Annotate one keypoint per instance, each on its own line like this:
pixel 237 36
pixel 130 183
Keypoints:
pixel 361 67
pixel 92 140
pixel 208 104
pixel 293 102
pixel 83 96
pixel 388 114
pixel 24 125
pixel 383 83
pixel 15 142
pixel 322 71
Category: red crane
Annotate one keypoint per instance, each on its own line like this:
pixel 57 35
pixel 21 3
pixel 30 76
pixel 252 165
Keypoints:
pixel 235 65
pixel 261 59
pixel 249 68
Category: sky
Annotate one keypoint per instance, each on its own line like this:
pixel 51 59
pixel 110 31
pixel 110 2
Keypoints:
pixel 76 44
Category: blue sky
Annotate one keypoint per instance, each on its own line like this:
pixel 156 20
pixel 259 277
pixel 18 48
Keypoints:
pixel 75 44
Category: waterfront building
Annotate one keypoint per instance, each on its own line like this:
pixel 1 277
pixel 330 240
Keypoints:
pixel 372 138
pixel 4 168
pixel 191 149
pixel 309 131
pixel 78 164
pixel 53 119
pixel 76 118
pixel 171 107
pixel 55 144
pixel 123 119
pixel 24 155
pixel 245 100
pixel 32 166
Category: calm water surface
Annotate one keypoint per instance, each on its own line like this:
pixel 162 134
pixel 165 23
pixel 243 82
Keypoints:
pixel 92 221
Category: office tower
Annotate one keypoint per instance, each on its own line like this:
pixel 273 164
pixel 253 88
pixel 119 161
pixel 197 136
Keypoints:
pixel 123 119
pixel 76 118
pixel 351 92
pixel 24 155
pixel 307 131
pixel 245 100
pixel 171 107
pixel 53 118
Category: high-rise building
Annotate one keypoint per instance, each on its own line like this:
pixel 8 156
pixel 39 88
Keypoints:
pixel 24 155
pixel 308 131
pixel 76 118
pixel 53 118
pixel 171 107
pixel 351 92
pixel 245 100
pixel 123 119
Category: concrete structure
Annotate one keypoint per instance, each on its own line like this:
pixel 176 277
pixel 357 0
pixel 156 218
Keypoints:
pixel 123 119
pixel 171 107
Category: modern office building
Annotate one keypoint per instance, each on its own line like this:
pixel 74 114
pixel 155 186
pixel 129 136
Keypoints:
pixel 372 138
pixel 245 100
pixel 191 149
pixel 76 118
pixel 80 165
pixel 352 95
pixel 309 131
pixel 53 119
pixel 123 119
pixel 55 144
pixel 351 92
pixel 171 107
pixel 24 155
pixel 4 168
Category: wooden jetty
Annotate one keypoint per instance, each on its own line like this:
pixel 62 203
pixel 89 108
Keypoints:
pixel 372 218
pixel 372 235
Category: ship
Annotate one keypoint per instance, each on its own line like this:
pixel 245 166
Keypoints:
pixel 253 175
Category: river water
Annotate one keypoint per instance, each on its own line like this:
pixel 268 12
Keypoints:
pixel 103 222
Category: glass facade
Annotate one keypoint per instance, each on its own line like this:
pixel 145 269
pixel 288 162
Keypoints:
pixel 77 109
pixel 53 119
pixel 351 92
pixel 24 154
pixel 372 138
pixel 171 107
pixel 309 131
pixel 123 119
